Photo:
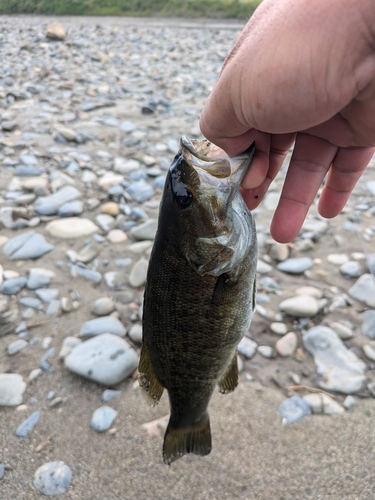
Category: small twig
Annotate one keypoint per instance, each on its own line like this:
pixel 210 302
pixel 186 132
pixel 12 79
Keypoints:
pixel 295 388
pixel 43 445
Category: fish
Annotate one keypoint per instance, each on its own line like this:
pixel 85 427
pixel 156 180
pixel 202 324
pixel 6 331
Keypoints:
pixel 199 292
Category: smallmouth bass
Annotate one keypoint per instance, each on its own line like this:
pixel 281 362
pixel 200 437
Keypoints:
pixel 200 291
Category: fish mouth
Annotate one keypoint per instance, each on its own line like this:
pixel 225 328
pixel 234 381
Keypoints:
pixel 205 155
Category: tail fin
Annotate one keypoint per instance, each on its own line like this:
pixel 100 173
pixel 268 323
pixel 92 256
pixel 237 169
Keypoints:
pixel 192 439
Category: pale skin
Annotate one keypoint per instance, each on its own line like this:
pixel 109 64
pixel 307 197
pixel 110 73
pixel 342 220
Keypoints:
pixel 301 72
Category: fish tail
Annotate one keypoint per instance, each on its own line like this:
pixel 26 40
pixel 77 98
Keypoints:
pixel 191 439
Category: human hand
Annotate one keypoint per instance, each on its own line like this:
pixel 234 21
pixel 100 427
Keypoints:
pixel 300 72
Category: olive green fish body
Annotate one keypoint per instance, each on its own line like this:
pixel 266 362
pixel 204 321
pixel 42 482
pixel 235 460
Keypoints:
pixel 198 305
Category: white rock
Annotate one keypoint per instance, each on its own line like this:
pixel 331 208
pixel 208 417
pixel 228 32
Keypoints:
pixel 116 236
pixel 349 402
pixel 278 328
pixel 343 331
pixel 69 343
pixel 322 403
pixel 364 290
pixel 17 346
pixel 310 290
pixel 300 306
pixel 12 387
pixel 247 347
pixel 337 258
pixel 369 352
pixel 266 351
pixel 287 345
pixel 135 333
pixel 71 227
pixel 263 268
pixel 56 31
pixel 138 274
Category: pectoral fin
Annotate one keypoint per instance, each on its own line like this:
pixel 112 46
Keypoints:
pixel 229 380
pixel 148 382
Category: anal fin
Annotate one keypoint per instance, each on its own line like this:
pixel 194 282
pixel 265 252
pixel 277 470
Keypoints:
pixel 178 441
pixel 229 380
pixel 150 385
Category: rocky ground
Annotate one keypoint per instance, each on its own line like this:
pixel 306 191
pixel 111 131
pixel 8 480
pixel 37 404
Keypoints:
pixel 88 127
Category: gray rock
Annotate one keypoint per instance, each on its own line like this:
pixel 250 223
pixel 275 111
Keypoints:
pixel 71 227
pixel 145 231
pixel 340 368
pixel 28 424
pixel 47 208
pixel 322 403
pixel 17 346
pixel 109 394
pixel 114 279
pixel 293 409
pixel 364 290
pixel 12 387
pixel 369 351
pixel 47 294
pixel 300 306
pixel 54 308
pixel 13 286
pixel 295 266
pixel 105 324
pixel 43 363
pixel 2 471
pixel 103 306
pixel 343 331
pixel 69 343
pixel 368 325
pixel 106 359
pixel 371 262
pixel 63 195
pixel 135 333
pixel 140 191
pixel 88 253
pixel 247 347
pixel 106 222
pixel 137 277
pixel 349 402
pixel 266 351
pixel 38 280
pixel 287 345
pixel 263 267
pixel 53 478
pixel 17 242
pixel 351 269
pixel 31 302
pixel 29 245
pixel 71 209
pixel 88 274
pixel 103 418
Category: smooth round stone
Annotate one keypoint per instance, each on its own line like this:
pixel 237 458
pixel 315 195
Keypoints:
pixel 54 308
pixel 103 418
pixel 368 325
pixel 138 274
pixel 17 346
pixel 337 258
pixel 88 177
pixel 278 328
pixel 138 214
pixel 364 290
pixel 29 245
pixel 47 209
pixel 61 196
pixel 247 347
pixel 88 274
pixel 116 236
pixel 149 161
pixel 13 286
pixel 38 280
pixel 159 180
pixel 287 345
pixel 34 374
pixel 109 180
pixel 53 478
pixel 269 284
pixel 263 267
pixel 106 359
pixel 47 294
pixel 351 269
pixel 68 133
pixel 109 394
pixel 124 166
pixel 349 402
pixel 293 409
pixel 340 368
pixel 28 424
pixel 343 331
pixel 135 333
pixel 295 266
pixel 12 387
pixel 140 191
pixel 300 306
pixel 104 324
pixel 310 290
pixel 279 252
pixel 145 231
pixel 103 306
pixel 369 351
pixel 113 279
pixel 88 253
pixel 371 262
pixel 71 209
pixel 321 403
pixel 123 262
pixel 140 246
pixel 105 221
pixel 69 343
pixel 110 208
pixel 315 226
pixel 74 227
pixel 266 351
pixel 31 302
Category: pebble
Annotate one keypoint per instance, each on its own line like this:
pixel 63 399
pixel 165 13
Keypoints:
pixel 343 331
pixel 351 269
pixel 13 286
pixel 322 403
pixel 56 31
pixel 369 351
pixel 2 471
pixel 300 306
pixel 104 324
pixel 75 227
pixel 31 302
pixel 38 280
pixel 47 294
pixel 247 347
pixel 135 334
pixel 296 265
pixel 341 369
pixel 279 252
pixel 293 409
pixel 103 306
pixel 54 308
pixel 12 387
pixel 29 245
pixel 140 191
pixel 17 346
pixel 266 351
pixel 103 418
pixel 88 274
pixel 287 345
pixel 263 267
pixel 368 324
pixel 137 277
pixel 44 365
pixel 109 394
pixel 71 209
pixel 310 290
pixel 87 253
pixel 53 478
pixel 34 374
pixel 278 328
pixel 145 231
pixel 28 424
pixel 140 246
pixel 349 402
pixel 110 208
pixel 338 259
pixel 364 290
pixel 105 222
pixel 106 359
pixel 116 236
pixel 69 343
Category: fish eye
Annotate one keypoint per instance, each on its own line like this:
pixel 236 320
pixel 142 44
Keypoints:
pixel 184 198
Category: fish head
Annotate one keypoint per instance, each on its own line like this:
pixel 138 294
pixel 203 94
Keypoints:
pixel 203 213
